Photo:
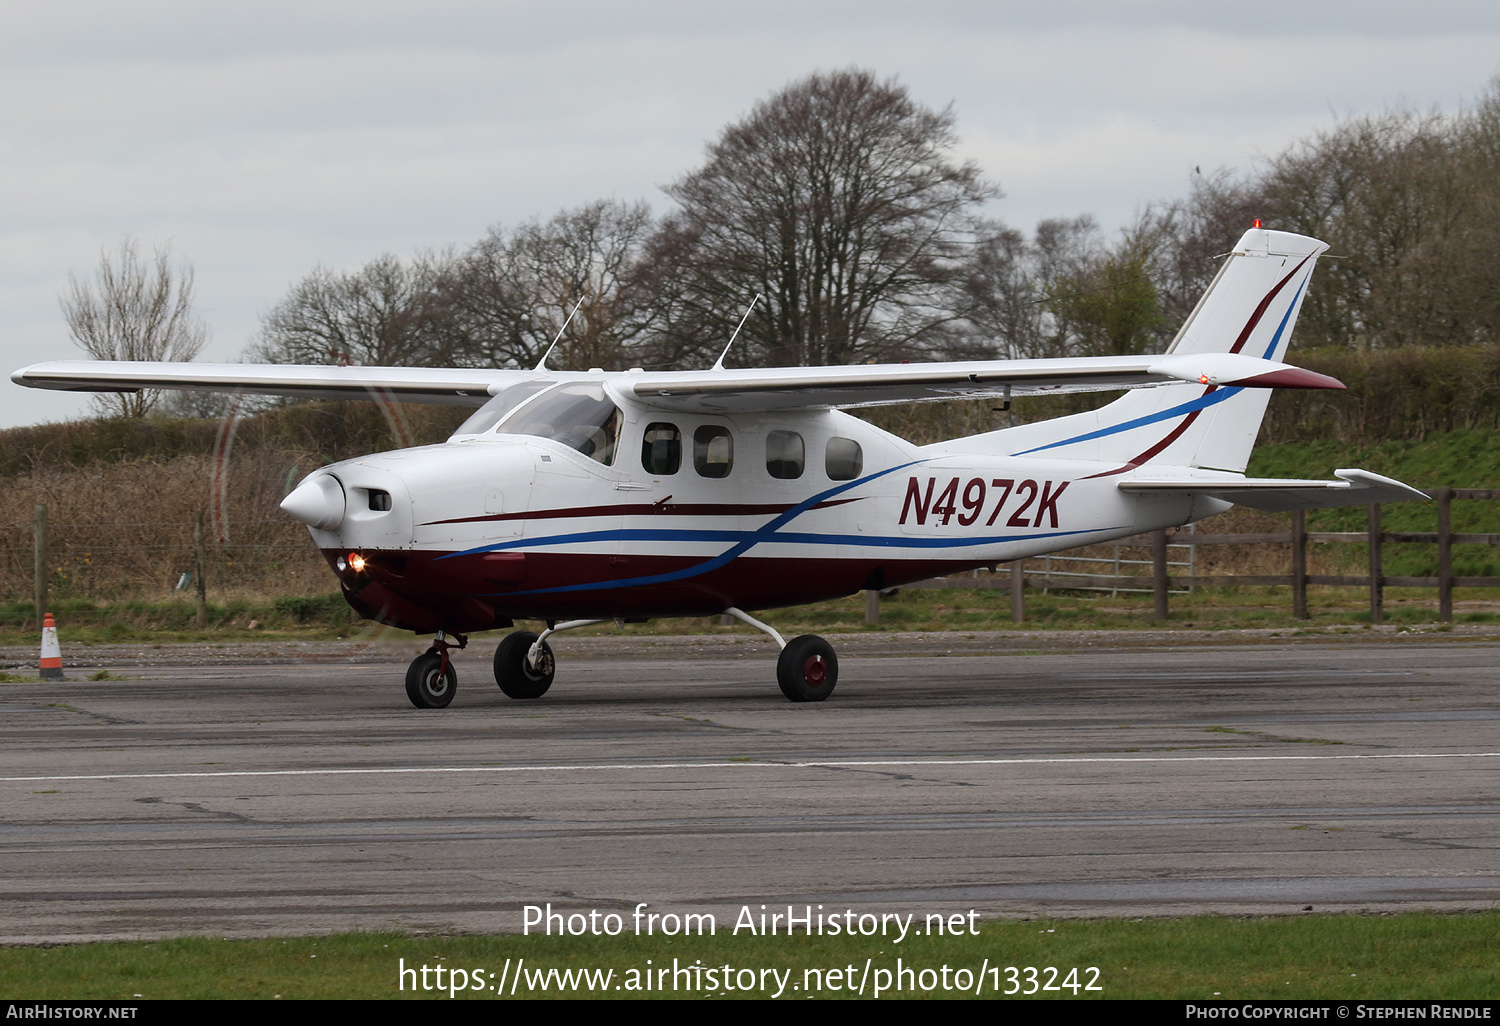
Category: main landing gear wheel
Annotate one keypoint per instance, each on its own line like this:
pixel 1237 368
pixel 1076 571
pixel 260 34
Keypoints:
pixel 427 685
pixel 807 669
pixel 516 677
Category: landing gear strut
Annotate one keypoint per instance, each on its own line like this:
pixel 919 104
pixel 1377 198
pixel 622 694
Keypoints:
pixel 524 664
pixel 515 674
pixel 807 669
pixel 430 679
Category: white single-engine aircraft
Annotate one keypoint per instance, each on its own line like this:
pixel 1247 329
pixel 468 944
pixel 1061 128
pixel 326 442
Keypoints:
pixel 574 498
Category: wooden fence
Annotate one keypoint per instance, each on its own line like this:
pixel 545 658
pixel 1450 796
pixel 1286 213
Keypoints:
pixel 1161 582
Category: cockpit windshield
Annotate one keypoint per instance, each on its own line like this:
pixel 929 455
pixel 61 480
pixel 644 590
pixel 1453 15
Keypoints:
pixel 579 415
pixel 506 400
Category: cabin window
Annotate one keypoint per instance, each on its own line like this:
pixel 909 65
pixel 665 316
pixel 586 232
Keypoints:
pixel 843 459
pixel 713 451
pixel 785 455
pixel 661 449
pixel 580 416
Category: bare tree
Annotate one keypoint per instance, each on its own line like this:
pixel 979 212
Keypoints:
pixel 506 299
pixel 837 199
pixel 1191 236
pixel 384 314
pixel 134 310
pixel 499 304
pixel 1407 203
pixel 1478 144
pixel 1004 296
pixel 1387 194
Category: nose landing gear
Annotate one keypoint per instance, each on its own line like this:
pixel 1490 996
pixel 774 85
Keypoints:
pixel 431 680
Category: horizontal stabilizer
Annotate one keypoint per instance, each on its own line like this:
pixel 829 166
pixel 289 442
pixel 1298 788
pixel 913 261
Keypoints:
pixel 1274 495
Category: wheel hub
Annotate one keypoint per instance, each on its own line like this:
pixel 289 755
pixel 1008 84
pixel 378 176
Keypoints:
pixel 815 671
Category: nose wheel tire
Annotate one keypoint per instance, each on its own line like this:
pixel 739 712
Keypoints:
pixel 427 685
pixel 807 669
pixel 517 677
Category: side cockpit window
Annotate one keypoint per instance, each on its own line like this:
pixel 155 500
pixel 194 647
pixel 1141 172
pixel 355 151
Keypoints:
pixel 581 416
pixel 661 449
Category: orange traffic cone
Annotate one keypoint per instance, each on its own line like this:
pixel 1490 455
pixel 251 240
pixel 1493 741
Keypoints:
pixel 51 653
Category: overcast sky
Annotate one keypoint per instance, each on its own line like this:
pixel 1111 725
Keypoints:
pixel 263 140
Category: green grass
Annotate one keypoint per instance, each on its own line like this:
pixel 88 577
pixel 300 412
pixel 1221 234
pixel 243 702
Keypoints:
pixel 1414 955
pixel 1461 459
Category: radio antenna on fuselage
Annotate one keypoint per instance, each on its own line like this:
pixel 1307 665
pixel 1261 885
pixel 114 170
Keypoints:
pixel 719 363
pixel 542 363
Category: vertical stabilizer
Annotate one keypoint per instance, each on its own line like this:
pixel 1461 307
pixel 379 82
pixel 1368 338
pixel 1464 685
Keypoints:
pixel 1250 308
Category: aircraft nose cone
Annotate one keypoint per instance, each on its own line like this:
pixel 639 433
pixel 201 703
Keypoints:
pixel 317 502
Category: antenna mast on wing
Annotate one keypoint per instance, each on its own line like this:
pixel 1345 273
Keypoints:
pixel 719 363
pixel 542 363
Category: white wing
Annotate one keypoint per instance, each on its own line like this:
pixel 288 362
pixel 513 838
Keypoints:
pixel 780 388
pixel 776 388
pixel 463 387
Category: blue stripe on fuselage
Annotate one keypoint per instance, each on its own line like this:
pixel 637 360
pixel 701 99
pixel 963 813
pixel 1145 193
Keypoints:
pixel 1203 402
pixel 740 541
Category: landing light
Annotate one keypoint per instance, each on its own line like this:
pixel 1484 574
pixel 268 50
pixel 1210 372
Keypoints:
pixel 356 562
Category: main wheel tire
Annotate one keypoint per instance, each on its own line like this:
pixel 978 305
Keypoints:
pixel 807 669
pixel 426 684
pixel 512 672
